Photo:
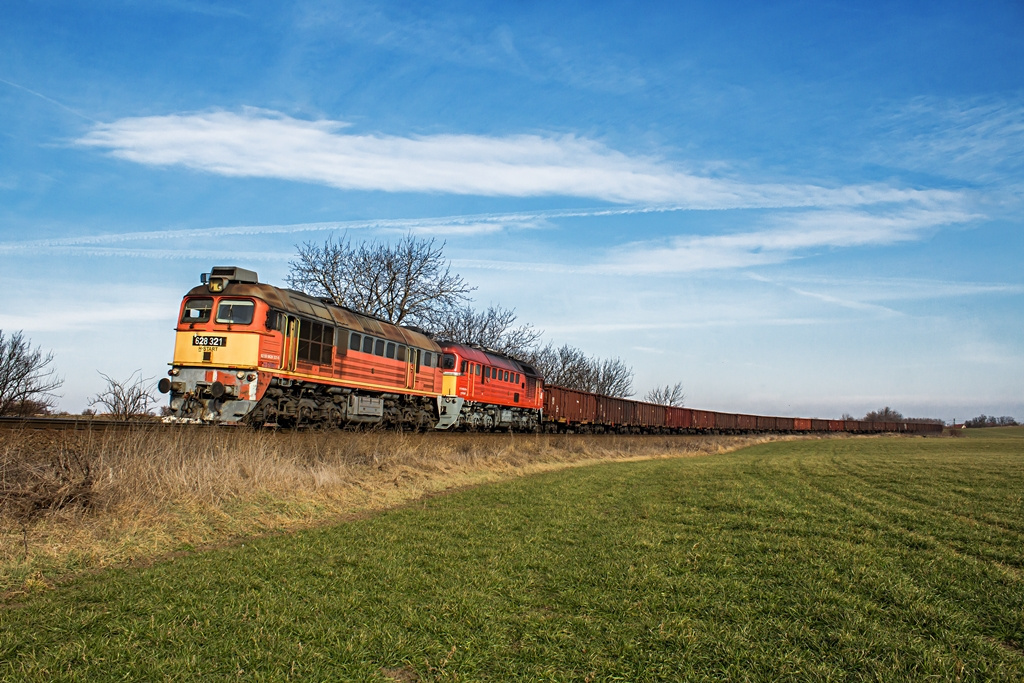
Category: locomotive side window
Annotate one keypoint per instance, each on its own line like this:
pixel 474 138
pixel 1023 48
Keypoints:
pixel 355 341
pixel 234 312
pixel 197 311
pixel 367 344
pixel 316 342
pixel 477 366
pixel 465 365
pixel 378 347
pixel 390 353
pixel 275 320
pixel 401 352
pixel 428 360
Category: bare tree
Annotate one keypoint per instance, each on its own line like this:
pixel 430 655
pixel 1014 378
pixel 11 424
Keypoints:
pixel 613 377
pixel 27 382
pixel 566 366
pixel 125 399
pixel 492 328
pixel 886 414
pixel 668 395
pixel 570 367
pixel 407 283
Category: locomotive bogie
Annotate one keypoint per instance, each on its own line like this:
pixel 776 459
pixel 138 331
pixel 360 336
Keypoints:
pixel 486 417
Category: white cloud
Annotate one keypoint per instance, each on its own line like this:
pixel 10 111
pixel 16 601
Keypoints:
pixel 258 143
pixel 794 234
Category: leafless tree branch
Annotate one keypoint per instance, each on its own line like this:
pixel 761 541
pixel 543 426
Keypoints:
pixel 570 367
pixel 886 414
pixel 125 399
pixel 27 382
pixel 668 395
pixel 407 283
pixel 492 328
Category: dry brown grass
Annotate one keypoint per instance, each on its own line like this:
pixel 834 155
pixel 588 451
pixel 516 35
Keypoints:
pixel 76 501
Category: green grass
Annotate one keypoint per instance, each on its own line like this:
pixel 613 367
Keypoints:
pixel 861 559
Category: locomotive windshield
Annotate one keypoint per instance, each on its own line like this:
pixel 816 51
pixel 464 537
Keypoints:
pixel 448 362
pixel 197 311
pixel 235 312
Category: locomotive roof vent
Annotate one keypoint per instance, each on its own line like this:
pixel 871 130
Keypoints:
pixel 220 276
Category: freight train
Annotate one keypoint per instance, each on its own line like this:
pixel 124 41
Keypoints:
pixel 247 352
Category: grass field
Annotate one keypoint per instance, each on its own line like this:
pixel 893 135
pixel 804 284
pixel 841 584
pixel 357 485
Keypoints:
pixel 78 501
pixel 849 559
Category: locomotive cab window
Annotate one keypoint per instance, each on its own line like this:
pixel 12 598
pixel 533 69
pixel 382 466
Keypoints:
pixel 197 311
pixel 235 312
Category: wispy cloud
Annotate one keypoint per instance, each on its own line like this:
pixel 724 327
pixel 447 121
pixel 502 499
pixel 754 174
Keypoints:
pixel 50 100
pixel 264 144
pixel 979 139
pixel 460 225
pixel 788 236
pixel 892 289
pixel 475 41
pixel 783 236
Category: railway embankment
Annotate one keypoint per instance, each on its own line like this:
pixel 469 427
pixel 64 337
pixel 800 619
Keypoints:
pixel 75 500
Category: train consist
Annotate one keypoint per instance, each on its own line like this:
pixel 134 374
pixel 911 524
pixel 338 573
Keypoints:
pixel 251 353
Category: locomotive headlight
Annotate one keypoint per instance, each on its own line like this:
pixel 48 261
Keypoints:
pixel 173 372
pixel 240 374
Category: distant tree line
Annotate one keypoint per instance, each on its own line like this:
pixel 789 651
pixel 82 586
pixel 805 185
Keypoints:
pixel 991 421
pixel 887 414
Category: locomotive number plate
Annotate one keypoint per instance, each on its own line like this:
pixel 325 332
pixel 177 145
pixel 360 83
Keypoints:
pixel 201 340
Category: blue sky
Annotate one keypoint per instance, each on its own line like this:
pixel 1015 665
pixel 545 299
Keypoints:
pixel 801 208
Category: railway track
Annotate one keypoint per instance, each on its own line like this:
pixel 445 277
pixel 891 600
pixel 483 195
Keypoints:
pixel 78 423
pixel 85 423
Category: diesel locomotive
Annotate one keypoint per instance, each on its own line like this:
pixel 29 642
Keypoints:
pixel 247 352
